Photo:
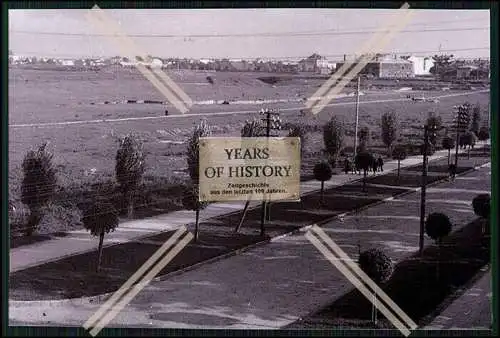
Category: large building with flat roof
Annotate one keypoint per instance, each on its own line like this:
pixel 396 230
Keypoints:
pixel 386 67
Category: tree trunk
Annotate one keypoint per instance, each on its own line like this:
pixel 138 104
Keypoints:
pixel 468 153
pixel 399 168
pixel 449 154
pixel 364 181
pixel 322 186
pixel 33 220
pixel 196 225
pixel 438 260
pixel 130 204
pixel 374 309
pixel 99 256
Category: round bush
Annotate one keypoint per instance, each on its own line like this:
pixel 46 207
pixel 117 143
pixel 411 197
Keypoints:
pixel 481 205
pixel 376 264
pixel 322 171
pixel 437 225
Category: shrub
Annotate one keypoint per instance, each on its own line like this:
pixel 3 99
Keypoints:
pixel 481 205
pixel 322 172
pixel 333 138
pixel 38 185
pixel 100 217
pixel 253 128
pixel 483 134
pixel 389 130
pixel 376 264
pixel 437 226
pixel 130 161
pixel 193 159
pixel 300 132
pixel 379 267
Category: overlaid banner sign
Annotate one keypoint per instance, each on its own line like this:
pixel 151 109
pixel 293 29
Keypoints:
pixel 249 168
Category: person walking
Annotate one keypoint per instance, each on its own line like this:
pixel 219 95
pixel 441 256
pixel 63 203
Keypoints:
pixel 380 163
pixel 374 165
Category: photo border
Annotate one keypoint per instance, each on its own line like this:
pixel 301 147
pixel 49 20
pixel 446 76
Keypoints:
pixel 437 5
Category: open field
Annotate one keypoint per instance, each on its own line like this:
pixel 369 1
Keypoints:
pixel 82 141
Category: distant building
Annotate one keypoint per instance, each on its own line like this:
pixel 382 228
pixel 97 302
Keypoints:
pixel 310 64
pixel 421 65
pixel 386 67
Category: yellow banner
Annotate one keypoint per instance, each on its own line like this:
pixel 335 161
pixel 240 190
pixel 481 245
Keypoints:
pixel 249 168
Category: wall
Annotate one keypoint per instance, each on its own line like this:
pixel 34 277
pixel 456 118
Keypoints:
pixel 396 70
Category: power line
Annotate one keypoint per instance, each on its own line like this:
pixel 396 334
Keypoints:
pixel 252 35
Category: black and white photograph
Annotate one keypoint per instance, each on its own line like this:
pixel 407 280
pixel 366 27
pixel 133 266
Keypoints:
pixel 250 168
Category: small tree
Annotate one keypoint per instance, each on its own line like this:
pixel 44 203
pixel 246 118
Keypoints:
pixel 130 162
pixel 438 226
pixel 399 153
pixel 100 217
pixel 363 138
pixel 363 161
pixel 333 138
pixel 448 143
pixel 434 122
pixel 322 172
pixel 389 130
pixel 481 205
pixel 190 201
pixel 300 132
pixel 193 156
pixel 468 140
pixel 379 267
pixel 483 135
pixel 476 119
pixel 38 185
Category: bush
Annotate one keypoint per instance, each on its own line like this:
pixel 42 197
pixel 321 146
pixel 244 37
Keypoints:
pixel 483 134
pixel 333 138
pixel 437 226
pixel 389 133
pixel 376 264
pixel 300 132
pixel 38 185
pixel 193 159
pixel 130 161
pixel 481 205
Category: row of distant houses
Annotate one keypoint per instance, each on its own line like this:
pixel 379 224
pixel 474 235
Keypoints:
pixel 382 66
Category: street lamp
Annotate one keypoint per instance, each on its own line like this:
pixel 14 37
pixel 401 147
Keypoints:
pixel 273 122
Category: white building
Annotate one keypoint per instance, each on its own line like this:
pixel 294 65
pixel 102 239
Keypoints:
pixel 421 64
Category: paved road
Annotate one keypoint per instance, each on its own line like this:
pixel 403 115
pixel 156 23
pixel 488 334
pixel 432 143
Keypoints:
pixel 273 285
pixel 471 311
pixel 81 241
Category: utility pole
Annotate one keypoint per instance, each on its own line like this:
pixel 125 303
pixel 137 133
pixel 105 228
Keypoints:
pixel 357 120
pixel 459 111
pixel 422 191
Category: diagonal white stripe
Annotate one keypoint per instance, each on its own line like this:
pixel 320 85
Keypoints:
pixel 368 46
pixel 359 285
pixel 364 277
pixel 139 286
pixel 126 286
pixel 360 65
pixel 97 16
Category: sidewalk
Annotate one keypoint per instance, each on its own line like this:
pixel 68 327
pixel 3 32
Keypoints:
pixel 271 286
pixel 81 241
pixel 471 311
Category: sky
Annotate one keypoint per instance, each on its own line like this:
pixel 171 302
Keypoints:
pixel 272 33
